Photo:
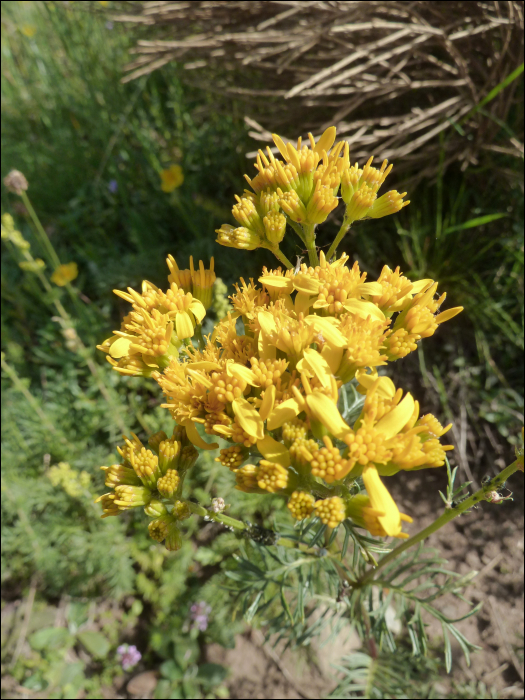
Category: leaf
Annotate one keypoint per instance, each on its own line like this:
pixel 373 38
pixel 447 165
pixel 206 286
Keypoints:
pixel 51 638
pixel 472 223
pixel 95 643
pixel 171 670
pixel 211 674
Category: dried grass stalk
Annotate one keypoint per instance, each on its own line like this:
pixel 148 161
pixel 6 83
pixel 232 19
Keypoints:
pixel 393 76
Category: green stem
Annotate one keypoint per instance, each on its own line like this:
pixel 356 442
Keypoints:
pixel 44 239
pixel 217 517
pixel 443 519
pixel 198 335
pixel 309 236
pixel 296 227
pixel 281 257
pixel 55 260
pixel 340 235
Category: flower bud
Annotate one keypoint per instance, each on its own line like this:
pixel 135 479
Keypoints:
pixel 174 538
pixel 321 204
pixel 292 206
pixel 389 203
pixel 275 227
pixel 241 237
pixel 155 508
pixel 155 440
pixel 167 484
pixel 16 182
pixel 169 455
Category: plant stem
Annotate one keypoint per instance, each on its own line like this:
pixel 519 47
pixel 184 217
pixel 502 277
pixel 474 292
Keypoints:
pixel 281 257
pixel 198 335
pixel 40 230
pixel 296 227
pixel 217 517
pixel 340 235
pixel 55 260
pixel 443 519
pixel 309 239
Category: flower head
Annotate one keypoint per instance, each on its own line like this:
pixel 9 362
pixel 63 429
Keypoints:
pixel 171 178
pixel 64 274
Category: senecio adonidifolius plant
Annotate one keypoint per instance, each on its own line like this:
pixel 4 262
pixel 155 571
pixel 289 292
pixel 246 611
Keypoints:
pixel 270 386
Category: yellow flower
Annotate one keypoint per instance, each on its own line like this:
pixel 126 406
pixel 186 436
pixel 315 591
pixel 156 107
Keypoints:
pixel 199 282
pixel 64 274
pixel 301 504
pixel 171 178
pixel 331 511
pixel 364 515
pixel 28 30
pixel 383 507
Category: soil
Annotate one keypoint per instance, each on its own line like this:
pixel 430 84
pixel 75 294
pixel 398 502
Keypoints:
pixel 489 540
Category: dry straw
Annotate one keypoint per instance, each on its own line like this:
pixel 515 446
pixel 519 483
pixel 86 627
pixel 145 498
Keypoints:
pixel 394 77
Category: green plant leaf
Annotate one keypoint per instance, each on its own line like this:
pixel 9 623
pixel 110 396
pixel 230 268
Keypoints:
pixel 51 638
pixel 211 674
pixel 95 643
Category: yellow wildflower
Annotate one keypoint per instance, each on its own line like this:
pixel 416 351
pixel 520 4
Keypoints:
pixel 383 507
pixel 301 504
pixel 171 178
pixel 331 511
pixel 28 30
pixel 64 274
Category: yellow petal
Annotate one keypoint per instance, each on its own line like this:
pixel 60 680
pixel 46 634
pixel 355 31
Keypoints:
pixel 233 369
pixel 205 365
pixel 280 145
pixel 268 402
pixel 421 286
pixel 319 366
pixel 183 325
pixel 364 309
pixel 150 360
pixel 448 314
pixel 381 500
pixel 302 303
pixel 196 439
pixel 249 418
pixel 267 322
pixel 199 377
pixel 328 330
pixel 386 387
pixel 304 283
pixel 395 420
pixel 281 284
pixel 284 412
pixel 333 356
pixel 326 141
pixel 326 412
pixel 374 289
pixel 197 309
pixel 274 451
pixel 120 348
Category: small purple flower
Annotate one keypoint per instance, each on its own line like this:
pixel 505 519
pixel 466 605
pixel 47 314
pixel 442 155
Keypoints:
pixel 109 25
pixel 112 186
pixel 199 613
pixel 129 656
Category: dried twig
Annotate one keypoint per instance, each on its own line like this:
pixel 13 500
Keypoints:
pixel 391 75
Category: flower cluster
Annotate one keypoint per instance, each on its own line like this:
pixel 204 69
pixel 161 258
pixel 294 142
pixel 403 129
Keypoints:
pixel 268 380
